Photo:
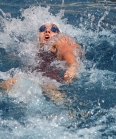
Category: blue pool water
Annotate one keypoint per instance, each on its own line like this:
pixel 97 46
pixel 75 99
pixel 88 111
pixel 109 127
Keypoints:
pixel 89 108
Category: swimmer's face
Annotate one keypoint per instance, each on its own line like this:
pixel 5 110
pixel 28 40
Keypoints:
pixel 47 32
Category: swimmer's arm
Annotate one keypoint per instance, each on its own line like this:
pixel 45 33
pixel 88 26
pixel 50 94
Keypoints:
pixel 7 84
pixel 65 51
pixel 72 66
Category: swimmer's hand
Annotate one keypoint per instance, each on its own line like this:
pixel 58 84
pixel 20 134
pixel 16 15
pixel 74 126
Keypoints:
pixel 70 74
pixel 8 84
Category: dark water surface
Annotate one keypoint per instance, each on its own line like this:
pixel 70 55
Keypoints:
pixel 89 111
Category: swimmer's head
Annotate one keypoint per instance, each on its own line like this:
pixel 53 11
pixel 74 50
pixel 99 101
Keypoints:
pixel 47 31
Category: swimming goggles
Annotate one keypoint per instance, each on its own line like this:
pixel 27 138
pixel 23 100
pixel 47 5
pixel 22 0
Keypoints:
pixel 54 29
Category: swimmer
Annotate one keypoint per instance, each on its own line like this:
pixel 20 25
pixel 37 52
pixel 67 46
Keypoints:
pixel 63 47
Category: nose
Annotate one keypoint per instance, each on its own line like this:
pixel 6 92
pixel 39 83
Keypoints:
pixel 47 30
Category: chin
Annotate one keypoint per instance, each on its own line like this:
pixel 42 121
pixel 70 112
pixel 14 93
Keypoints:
pixel 46 41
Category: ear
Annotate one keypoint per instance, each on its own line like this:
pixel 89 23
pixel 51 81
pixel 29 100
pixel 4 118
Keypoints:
pixel 53 49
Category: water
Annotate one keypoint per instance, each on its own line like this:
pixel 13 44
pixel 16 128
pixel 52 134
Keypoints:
pixel 89 108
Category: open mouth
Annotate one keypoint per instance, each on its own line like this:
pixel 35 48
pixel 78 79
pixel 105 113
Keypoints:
pixel 47 37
